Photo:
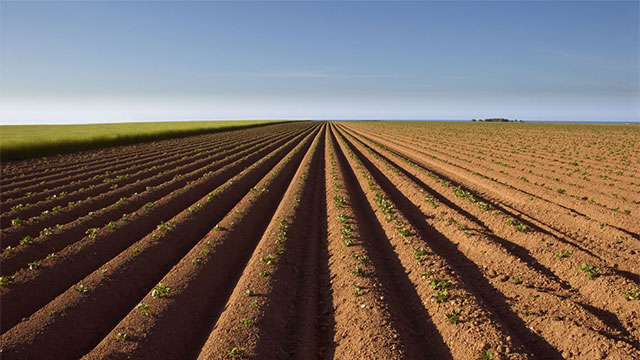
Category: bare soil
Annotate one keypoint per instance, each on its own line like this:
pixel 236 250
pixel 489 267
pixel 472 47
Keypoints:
pixel 320 240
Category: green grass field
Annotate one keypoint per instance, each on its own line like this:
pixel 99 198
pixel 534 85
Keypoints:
pixel 18 142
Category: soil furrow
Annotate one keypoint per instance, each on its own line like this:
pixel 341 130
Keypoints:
pixel 72 232
pixel 556 298
pixel 179 175
pixel 60 272
pixel 176 322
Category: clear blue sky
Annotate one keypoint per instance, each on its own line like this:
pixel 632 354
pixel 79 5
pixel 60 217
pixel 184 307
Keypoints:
pixel 88 61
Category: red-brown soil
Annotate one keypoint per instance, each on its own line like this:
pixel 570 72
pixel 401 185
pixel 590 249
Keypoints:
pixel 316 240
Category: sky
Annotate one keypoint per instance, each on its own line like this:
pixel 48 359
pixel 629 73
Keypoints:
pixel 99 61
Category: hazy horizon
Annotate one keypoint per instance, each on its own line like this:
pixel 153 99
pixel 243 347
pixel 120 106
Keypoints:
pixel 94 62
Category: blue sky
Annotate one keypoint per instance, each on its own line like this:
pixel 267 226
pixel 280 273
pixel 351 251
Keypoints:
pixel 90 61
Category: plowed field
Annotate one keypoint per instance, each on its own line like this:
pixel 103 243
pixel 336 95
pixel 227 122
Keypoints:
pixel 317 240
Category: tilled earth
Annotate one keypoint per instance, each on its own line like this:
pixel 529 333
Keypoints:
pixel 353 240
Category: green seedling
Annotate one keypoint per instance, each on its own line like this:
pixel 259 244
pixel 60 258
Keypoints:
pixel 485 206
pixel 419 253
pixel 404 230
pixel 51 256
pixel 46 232
pixel 454 316
pixel 269 259
pixel 486 355
pixel 82 289
pixel 149 205
pixel 92 232
pixel 254 304
pixel 219 227
pixel 33 265
pixel 6 280
pixel 18 222
pixel 631 295
pixel 250 292
pixel 247 321
pixel 517 281
pixel 357 271
pixel 563 254
pixel 280 250
pixel 441 296
pixel 439 284
pixel 357 289
pixel 265 273
pixel 143 308
pixel 166 226
pixel 160 290
pixel 342 218
pixel 591 271
pixel 27 240
pixel 360 258
pixel 121 336
pixel 237 352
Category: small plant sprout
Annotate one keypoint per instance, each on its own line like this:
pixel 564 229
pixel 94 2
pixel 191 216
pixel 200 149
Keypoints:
pixel 27 240
pixel 439 284
pixel 280 250
pixel 219 227
pixel 592 272
pixel 18 222
pixel 404 230
pixel 254 304
pixel 82 289
pixel 631 295
pixel 486 355
pixel 143 308
pixel 441 296
pixel 360 258
pixel 6 280
pixel 92 233
pixel 419 253
pixel 121 336
pixel 269 259
pixel 34 265
pixel 265 273
pixel 51 256
pixel 160 290
pixel 135 251
pixel 563 254
pixel 166 226
pixel 517 281
pixel 356 289
pixel 454 316
pixel 357 271
pixel 247 321
pixel 250 292
pixel 237 352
